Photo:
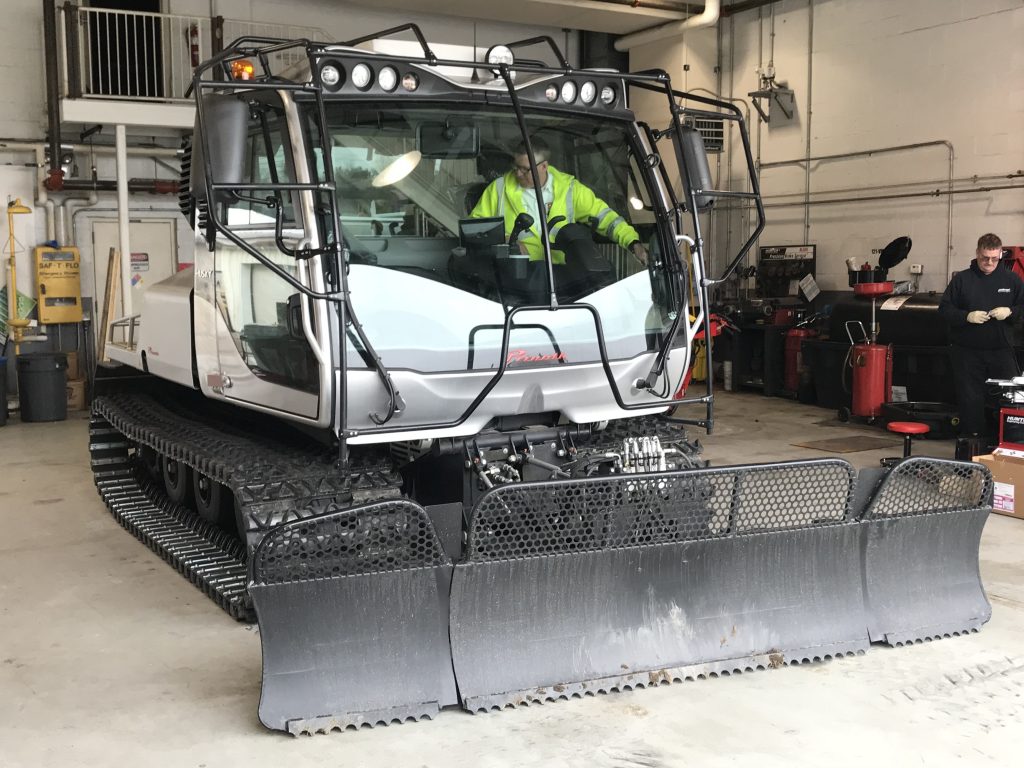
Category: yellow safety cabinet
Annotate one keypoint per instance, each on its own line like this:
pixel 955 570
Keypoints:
pixel 59 285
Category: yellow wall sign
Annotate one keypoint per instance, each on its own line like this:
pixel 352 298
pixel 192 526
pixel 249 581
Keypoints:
pixel 59 284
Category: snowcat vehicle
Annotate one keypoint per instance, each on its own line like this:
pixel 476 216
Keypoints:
pixel 438 466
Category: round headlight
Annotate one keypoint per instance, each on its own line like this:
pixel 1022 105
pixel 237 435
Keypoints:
pixel 551 92
pixel 330 75
pixel 362 75
pixel 388 78
pixel 499 54
pixel 410 81
pixel 568 91
pixel 588 92
pixel 608 95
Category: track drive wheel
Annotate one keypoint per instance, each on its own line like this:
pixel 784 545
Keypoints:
pixel 177 481
pixel 213 502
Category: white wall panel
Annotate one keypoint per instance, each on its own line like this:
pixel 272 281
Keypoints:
pixel 887 73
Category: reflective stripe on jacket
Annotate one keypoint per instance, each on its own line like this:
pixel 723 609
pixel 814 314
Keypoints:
pixel 570 198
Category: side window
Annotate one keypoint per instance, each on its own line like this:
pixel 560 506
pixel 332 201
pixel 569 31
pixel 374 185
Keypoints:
pixel 267 161
pixel 602 163
pixel 606 164
pixel 251 298
pixel 254 304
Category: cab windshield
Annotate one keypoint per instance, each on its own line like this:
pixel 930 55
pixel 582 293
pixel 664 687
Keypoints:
pixel 429 200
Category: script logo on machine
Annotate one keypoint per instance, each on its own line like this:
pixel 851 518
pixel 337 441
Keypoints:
pixel 520 356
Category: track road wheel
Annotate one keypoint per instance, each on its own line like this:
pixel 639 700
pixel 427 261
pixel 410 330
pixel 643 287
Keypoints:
pixel 177 481
pixel 213 501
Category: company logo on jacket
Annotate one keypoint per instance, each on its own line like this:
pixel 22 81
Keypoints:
pixel 1003 290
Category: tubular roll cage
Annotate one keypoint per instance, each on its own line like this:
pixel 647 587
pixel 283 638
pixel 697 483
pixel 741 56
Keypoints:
pixel 658 81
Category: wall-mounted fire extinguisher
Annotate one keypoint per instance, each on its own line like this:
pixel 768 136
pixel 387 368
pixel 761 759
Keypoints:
pixel 193 44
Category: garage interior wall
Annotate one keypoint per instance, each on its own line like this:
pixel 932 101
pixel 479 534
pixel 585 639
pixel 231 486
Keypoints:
pixel 869 75
pixel 866 74
pixel 873 74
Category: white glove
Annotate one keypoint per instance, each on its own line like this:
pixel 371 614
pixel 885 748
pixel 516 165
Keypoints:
pixel 977 317
pixel 999 313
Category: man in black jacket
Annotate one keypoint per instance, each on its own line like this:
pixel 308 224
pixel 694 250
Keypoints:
pixel 978 305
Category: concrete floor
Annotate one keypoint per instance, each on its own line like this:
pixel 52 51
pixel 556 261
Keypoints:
pixel 108 657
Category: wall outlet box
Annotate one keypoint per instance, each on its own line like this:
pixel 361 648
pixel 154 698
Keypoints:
pixel 916 269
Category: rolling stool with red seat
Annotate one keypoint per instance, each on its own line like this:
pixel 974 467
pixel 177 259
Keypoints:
pixel 908 429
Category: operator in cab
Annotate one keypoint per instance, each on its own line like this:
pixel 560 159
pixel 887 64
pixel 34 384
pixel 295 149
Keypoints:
pixel 567 200
pixel 978 306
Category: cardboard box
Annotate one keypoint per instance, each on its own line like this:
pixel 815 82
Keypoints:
pixel 76 395
pixel 74 371
pixel 1008 474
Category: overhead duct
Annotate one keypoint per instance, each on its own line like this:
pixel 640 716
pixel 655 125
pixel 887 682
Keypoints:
pixel 712 10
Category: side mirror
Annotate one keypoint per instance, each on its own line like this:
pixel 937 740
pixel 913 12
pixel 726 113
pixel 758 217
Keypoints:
pixel 223 135
pixel 693 157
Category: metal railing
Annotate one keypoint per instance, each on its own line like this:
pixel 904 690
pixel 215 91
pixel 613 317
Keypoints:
pixel 127 326
pixel 141 56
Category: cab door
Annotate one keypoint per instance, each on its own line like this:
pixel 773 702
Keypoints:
pixel 259 343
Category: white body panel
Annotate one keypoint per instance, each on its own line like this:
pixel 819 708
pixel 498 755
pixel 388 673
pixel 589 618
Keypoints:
pixel 154 246
pixel 579 392
pixel 165 333
pixel 129 357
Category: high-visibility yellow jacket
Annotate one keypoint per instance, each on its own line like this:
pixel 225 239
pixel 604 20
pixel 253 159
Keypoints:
pixel 570 198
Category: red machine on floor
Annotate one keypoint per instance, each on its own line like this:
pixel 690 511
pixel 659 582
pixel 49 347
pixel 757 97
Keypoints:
pixel 872 376
pixel 871 362
pixel 793 359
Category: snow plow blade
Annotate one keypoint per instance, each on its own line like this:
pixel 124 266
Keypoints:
pixel 573 587
pixel 634 580
pixel 922 534
pixel 353 614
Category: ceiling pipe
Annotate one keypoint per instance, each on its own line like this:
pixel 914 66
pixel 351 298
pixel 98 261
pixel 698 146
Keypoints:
pixel 709 16
pixel 748 5
pixel 152 186
pixel 134 150
pixel 71 206
pixel 677 7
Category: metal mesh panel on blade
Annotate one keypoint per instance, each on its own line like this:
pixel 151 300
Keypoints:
pixel 634 510
pixel 921 485
pixel 389 536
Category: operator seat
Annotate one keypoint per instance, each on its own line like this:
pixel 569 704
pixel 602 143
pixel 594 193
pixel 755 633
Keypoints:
pixel 490 165
pixel 472 194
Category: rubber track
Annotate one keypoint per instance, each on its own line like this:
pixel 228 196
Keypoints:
pixel 210 558
pixel 274 482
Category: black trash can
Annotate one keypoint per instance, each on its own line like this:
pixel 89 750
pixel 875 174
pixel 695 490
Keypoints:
pixel 42 386
pixel 3 391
